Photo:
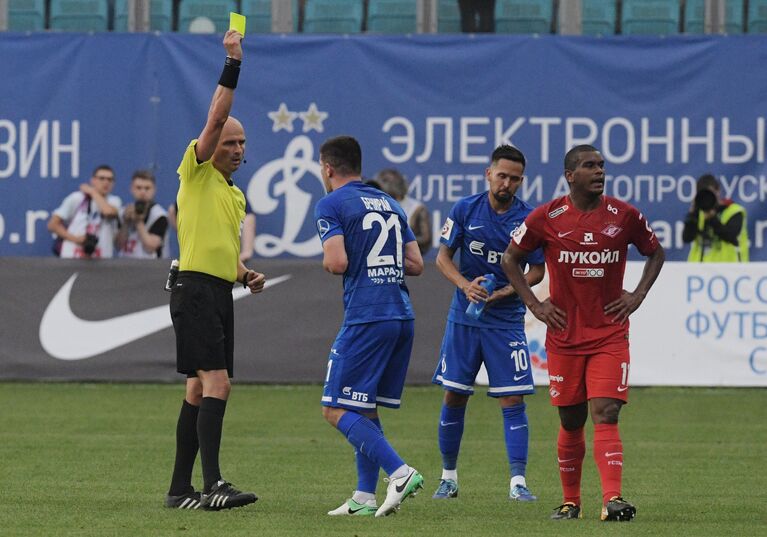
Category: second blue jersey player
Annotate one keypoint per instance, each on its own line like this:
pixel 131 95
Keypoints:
pixel 480 226
pixel 366 238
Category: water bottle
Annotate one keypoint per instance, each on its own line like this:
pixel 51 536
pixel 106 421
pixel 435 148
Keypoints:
pixel 474 311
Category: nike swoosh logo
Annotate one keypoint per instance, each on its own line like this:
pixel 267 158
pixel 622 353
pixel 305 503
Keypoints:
pixel 622 388
pixel 352 511
pixel 401 487
pixel 472 228
pixel 65 336
pixel 516 378
pixel 515 427
pixel 446 423
pixel 613 453
pixel 564 460
pixel 565 234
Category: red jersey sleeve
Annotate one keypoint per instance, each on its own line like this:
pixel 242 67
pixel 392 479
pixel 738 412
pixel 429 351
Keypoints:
pixel 529 235
pixel 642 235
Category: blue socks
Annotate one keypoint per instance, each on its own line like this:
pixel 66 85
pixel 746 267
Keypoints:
pixel 450 433
pixel 369 440
pixel 516 434
pixel 367 470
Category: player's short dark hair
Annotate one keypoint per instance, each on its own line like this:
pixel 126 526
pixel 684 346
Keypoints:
pixel 508 152
pixel 572 156
pixel 344 154
pixel 102 167
pixel 143 174
pixel 707 182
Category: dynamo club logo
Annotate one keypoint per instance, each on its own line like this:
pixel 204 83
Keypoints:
pixel 278 184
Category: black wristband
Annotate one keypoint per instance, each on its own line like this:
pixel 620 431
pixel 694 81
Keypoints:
pixel 230 74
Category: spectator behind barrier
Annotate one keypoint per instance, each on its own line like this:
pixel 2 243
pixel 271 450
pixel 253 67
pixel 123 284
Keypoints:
pixel 477 16
pixel 716 227
pixel 86 221
pixel 393 183
pixel 143 223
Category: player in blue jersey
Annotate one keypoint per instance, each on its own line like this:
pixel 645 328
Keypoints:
pixel 481 227
pixel 366 238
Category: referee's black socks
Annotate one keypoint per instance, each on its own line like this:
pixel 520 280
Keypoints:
pixel 209 424
pixel 186 450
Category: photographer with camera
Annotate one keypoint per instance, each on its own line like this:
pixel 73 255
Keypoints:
pixel 715 227
pixel 143 223
pixel 86 221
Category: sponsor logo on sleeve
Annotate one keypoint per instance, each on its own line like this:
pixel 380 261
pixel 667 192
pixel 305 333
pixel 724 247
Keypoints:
pixel 323 226
pixel 556 212
pixel 519 233
pixel 447 229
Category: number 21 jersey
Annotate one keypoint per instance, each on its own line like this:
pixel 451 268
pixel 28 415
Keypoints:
pixel 375 232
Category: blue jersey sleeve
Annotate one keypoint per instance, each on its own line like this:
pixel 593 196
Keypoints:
pixel 452 230
pixel 327 220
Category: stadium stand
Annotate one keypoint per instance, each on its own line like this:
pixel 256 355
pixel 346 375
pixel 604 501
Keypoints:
pixel 160 16
pixel 598 17
pixel 259 14
pixel 79 15
pixel 392 16
pixel 757 16
pixel 26 15
pixel 205 16
pixel 650 17
pixel 733 16
pixel 523 16
pixel 695 16
pixel 448 17
pixel 333 16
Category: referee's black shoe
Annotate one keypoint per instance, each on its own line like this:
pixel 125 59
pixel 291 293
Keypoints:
pixel 188 500
pixel 224 496
pixel 619 510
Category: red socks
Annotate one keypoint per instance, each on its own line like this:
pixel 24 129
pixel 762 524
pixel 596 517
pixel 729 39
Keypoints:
pixel 608 454
pixel 571 448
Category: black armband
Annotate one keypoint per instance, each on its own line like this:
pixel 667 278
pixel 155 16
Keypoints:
pixel 230 74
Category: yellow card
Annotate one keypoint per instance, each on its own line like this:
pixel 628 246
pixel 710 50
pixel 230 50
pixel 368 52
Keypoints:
pixel 237 22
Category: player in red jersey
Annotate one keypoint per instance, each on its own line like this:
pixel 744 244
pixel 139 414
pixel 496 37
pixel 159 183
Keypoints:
pixel 584 237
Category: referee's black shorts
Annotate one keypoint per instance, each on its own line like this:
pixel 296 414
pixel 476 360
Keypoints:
pixel 202 310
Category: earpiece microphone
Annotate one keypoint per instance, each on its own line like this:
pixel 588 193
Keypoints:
pixel 244 161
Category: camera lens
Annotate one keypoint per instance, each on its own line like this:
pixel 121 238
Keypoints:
pixel 89 245
pixel 705 200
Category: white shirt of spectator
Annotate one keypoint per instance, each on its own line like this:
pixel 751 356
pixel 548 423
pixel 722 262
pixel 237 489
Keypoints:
pixel 409 205
pixel 74 210
pixel 133 248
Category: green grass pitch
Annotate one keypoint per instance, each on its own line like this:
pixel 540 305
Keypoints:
pixel 95 460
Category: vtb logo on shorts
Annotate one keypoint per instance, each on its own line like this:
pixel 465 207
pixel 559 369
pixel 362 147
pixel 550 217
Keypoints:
pixel 355 396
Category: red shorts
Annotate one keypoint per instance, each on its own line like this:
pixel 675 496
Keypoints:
pixel 576 378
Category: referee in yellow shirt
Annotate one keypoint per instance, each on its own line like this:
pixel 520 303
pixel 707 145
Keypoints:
pixel 210 210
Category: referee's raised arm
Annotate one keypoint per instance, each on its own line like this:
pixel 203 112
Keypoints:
pixel 221 104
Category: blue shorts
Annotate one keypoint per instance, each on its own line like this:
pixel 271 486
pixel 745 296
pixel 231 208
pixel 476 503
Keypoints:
pixel 503 350
pixel 367 365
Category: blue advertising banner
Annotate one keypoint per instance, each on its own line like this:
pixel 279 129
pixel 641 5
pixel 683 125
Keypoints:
pixel 662 110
